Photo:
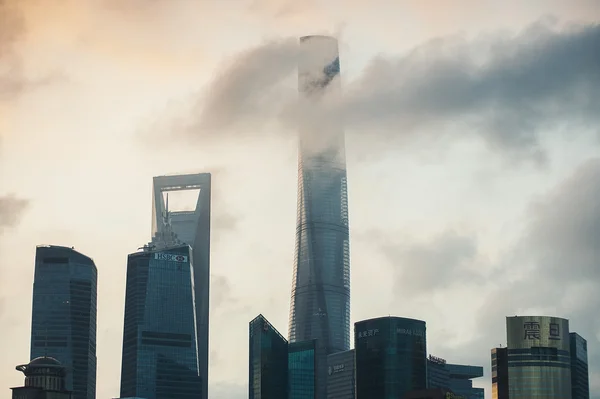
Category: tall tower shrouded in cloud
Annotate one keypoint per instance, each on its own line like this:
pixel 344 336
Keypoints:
pixel 192 227
pixel 320 298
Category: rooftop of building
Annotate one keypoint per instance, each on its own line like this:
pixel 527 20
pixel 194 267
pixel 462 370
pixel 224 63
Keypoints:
pixel 398 318
pixel 536 316
pixel 320 37
pixel 68 251
pixel 42 365
pixel 44 361
pixel 262 319
pixel 181 182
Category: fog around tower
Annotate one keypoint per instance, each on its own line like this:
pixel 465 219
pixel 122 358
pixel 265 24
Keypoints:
pixel 472 152
pixel 499 86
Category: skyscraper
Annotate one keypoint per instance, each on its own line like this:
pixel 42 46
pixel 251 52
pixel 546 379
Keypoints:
pixel 455 377
pixel 340 375
pixel 268 361
pixel 63 323
pixel 302 370
pixel 580 382
pixel 539 358
pixel 160 356
pixel 278 369
pixel 320 298
pixel 500 373
pixel 192 228
pixel 391 357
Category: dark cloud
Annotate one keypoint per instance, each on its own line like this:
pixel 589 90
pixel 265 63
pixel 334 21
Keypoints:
pixel 529 83
pixel 507 89
pixel 444 259
pixel 11 209
pixel 554 270
pixel 246 90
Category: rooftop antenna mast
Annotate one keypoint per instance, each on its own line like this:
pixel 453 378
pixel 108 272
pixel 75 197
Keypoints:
pixel 166 215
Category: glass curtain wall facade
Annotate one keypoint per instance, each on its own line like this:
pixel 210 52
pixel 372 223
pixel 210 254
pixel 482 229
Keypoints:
pixel 63 322
pixel 192 228
pixel 302 370
pixel 320 297
pixel 160 358
pixel 539 357
pixel 438 375
pixel 500 373
pixel 278 369
pixel 268 371
pixel 580 383
pixel 340 375
pixel 391 357
pixel 461 383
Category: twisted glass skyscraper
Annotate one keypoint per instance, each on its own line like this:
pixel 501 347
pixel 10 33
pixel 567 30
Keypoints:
pixel 320 299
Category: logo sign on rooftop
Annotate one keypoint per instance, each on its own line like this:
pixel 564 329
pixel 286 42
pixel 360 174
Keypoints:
pixel 170 257
pixel 437 360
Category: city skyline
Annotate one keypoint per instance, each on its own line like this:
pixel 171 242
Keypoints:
pixel 474 190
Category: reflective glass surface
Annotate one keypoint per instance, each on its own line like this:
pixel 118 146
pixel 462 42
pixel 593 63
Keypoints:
pixel 580 383
pixel 539 360
pixel 192 228
pixel 390 357
pixel 160 358
pixel 63 323
pixel 320 298
pixel 301 370
pixel 340 375
pixel 268 361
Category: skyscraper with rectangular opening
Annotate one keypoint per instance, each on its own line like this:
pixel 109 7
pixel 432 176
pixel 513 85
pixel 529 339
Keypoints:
pixel 192 227
pixel 63 323
pixel 320 298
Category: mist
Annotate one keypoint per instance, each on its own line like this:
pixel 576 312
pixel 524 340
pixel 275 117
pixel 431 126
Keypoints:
pixel 507 90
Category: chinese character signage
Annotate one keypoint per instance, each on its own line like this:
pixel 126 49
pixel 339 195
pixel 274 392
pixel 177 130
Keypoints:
pixel 554 331
pixel 368 333
pixel 530 331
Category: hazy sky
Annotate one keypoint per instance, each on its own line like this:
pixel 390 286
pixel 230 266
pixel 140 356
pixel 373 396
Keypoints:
pixel 473 159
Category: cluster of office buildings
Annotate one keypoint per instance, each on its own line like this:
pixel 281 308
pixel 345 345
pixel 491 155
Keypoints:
pixel 165 335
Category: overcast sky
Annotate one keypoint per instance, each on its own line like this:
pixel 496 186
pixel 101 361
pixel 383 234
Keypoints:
pixel 472 144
